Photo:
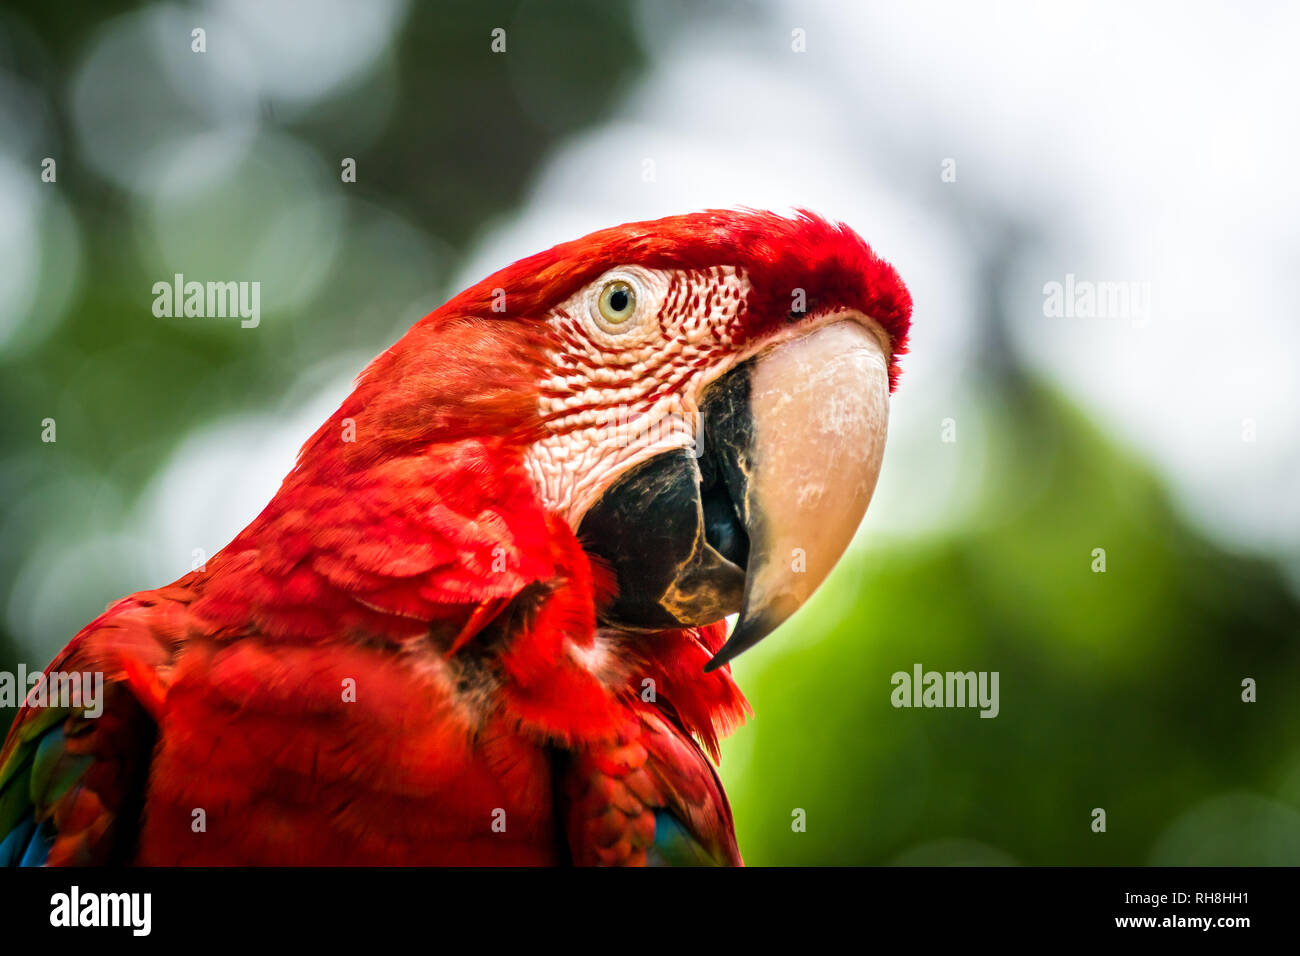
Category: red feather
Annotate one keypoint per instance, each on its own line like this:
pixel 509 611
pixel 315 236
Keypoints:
pixel 398 660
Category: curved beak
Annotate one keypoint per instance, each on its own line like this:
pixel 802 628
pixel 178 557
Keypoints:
pixel 820 409
pixel 792 444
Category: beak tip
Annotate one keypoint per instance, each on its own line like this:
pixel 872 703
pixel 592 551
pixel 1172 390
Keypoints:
pixel 726 653
pixel 721 659
pixel 747 632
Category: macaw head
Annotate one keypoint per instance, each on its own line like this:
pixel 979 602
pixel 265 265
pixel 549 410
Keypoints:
pixel 707 398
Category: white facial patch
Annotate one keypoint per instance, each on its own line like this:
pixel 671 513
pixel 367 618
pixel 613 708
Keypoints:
pixel 625 387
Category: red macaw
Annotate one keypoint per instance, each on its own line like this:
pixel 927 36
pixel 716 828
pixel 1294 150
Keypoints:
pixel 482 621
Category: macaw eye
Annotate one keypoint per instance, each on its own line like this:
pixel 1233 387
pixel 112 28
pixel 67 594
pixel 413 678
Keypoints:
pixel 617 302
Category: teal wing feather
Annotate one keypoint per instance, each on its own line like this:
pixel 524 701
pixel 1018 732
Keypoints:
pixel 71 785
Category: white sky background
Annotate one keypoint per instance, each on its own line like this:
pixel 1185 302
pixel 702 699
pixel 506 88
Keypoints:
pixel 1149 143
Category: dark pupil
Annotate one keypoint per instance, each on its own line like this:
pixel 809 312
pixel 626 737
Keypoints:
pixel 618 300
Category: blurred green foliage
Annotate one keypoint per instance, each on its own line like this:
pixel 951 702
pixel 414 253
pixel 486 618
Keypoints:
pixel 1118 690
